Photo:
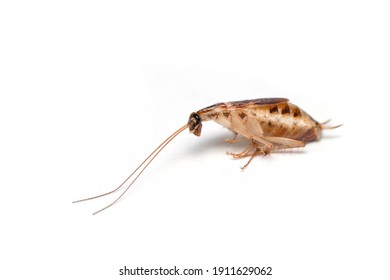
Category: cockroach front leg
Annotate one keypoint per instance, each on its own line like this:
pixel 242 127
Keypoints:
pixel 234 139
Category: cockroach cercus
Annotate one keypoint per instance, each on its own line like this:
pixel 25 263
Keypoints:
pixel 268 124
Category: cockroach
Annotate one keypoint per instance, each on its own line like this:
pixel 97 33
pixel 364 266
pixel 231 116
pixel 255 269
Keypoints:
pixel 269 124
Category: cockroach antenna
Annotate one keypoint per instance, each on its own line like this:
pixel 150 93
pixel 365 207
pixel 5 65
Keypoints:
pixel 141 167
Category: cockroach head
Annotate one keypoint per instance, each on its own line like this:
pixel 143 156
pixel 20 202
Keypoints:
pixel 195 124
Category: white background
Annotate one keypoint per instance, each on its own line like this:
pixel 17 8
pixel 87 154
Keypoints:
pixel 89 88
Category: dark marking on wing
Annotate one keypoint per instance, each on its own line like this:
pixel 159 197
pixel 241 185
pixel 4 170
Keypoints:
pixel 242 115
pixel 286 110
pixel 273 109
pixel 226 114
pixel 297 113
pixel 214 115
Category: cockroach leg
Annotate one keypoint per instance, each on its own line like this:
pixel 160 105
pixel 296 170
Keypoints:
pixel 259 151
pixel 254 154
pixel 234 139
pixel 244 153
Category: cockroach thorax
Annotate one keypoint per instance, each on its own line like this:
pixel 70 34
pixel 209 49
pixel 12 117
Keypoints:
pixel 195 124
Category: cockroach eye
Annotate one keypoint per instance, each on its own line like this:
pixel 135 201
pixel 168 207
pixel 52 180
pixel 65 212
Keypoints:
pixel 194 123
pixel 197 119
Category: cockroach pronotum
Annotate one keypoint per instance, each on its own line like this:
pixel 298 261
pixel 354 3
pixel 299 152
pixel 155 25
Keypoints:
pixel 269 124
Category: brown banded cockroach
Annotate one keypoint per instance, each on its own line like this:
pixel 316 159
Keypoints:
pixel 269 124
